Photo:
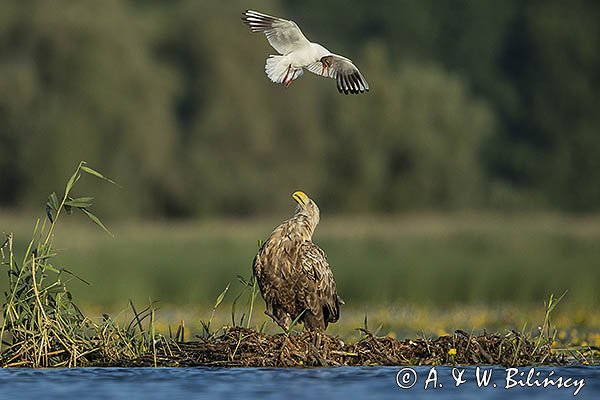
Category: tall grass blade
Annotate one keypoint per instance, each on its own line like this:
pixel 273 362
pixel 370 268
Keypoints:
pixel 41 325
pixel 97 174
pixel 74 178
pixel 96 220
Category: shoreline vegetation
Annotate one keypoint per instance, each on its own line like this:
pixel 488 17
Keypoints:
pixel 243 347
pixel 43 327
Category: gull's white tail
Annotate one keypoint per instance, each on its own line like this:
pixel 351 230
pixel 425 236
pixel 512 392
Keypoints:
pixel 279 71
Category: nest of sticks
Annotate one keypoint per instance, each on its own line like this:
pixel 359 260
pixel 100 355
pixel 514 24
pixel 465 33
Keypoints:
pixel 241 347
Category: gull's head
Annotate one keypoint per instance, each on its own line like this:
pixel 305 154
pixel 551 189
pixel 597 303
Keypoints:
pixel 307 207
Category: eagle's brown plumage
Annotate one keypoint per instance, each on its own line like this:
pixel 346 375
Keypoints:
pixel 293 274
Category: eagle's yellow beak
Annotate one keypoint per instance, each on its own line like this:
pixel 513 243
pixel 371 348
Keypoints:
pixel 300 197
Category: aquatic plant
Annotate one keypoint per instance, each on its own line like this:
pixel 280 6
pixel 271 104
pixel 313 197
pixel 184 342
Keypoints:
pixel 41 324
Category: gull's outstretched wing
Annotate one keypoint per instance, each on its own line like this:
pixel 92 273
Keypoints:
pixel 284 35
pixel 348 77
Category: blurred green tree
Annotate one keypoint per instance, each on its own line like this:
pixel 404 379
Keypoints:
pixel 79 82
pixel 552 141
pixel 249 143
pixel 415 145
pixel 473 104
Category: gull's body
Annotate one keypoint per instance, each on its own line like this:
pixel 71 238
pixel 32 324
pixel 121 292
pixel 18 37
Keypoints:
pixel 297 52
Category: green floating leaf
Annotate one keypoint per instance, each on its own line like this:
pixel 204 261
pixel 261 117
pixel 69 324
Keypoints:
pixel 80 202
pixel 96 220
pixel 91 171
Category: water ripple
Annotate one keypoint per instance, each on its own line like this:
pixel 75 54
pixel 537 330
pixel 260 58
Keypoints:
pixel 271 383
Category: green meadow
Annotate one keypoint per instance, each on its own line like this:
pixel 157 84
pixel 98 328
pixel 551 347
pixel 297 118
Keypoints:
pixel 406 272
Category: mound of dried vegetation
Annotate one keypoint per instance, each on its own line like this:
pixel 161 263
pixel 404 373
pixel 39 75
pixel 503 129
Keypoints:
pixel 242 347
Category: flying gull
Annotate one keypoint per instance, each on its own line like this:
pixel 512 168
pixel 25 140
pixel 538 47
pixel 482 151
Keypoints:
pixel 297 52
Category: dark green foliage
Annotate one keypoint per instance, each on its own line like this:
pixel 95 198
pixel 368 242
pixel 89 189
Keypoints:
pixel 79 80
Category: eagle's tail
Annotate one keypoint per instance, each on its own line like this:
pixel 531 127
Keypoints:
pixel 331 312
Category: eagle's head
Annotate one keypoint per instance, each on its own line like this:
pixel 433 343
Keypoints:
pixel 307 208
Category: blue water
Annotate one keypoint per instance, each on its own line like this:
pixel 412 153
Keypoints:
pixel 265 383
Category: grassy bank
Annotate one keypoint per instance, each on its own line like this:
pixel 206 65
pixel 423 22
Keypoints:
pixel 47 329
pixel 430 260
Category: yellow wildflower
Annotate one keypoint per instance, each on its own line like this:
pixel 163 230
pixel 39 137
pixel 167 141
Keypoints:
pixel 452 352
pixel 562 334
